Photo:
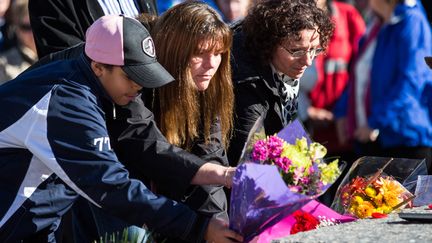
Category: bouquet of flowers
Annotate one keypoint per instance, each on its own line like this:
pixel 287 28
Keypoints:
pixel 300 165
pixel 364 193
pixel 279 174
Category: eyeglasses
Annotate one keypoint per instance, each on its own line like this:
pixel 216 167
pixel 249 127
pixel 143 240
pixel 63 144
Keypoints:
pixel 301 53
pixel 25 27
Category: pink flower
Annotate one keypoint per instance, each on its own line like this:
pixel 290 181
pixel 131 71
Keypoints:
pixel 260 152
pixel 284 163
pixel 274 146
pixel 311 170
pixel 295 188
pixel 298 173
pixel 304 180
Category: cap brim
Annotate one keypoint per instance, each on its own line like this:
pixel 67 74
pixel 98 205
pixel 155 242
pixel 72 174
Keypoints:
pixel 152 75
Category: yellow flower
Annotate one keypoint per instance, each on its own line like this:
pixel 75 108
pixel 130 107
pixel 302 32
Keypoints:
pixel 378 199
pixel 329 172
pixel 386 209
pixel 390 185
pixel 364 210
pixel 370 192
pixel 357 200
pixel 379 210
pixel 392 199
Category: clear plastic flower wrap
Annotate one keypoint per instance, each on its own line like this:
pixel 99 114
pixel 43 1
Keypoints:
pixel 377 185
pixel 278 175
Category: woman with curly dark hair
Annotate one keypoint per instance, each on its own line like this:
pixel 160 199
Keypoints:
pixel 272 47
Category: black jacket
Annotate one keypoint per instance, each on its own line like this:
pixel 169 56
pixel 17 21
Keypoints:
pixel 151 158
pixel 256 94
pixel 60 24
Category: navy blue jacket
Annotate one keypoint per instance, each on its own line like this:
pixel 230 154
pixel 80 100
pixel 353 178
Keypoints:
pixel 54 147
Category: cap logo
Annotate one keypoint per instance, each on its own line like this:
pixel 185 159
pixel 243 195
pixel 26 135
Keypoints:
pixel 148 47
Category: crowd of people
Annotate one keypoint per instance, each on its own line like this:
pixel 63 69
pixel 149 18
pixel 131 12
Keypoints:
pixel 134 114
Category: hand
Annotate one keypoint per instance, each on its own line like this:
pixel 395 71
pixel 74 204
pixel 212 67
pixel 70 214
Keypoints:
pixel 218 231
pixel 214 174
pixel 365 134
pixel 318 114
pixel 228 176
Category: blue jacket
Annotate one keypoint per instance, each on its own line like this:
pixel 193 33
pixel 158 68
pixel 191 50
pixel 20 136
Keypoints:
pixel 54 147
pixel 398 77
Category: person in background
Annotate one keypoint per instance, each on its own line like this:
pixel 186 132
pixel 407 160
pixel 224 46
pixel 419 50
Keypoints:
pixel 234 10
pixel 54 130
pixel 230 10
pixel 60 24
pixel 395 121
pixel 332 76
pixel 20 57
pixel 195 111
pixel 272 48
pixel 164 5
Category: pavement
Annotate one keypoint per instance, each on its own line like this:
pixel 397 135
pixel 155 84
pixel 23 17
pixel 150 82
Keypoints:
pixel 391 229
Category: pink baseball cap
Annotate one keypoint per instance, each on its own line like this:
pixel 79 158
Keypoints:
pixel 125 42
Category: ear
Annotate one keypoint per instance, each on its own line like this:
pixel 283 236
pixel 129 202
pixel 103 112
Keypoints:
pixel 97 68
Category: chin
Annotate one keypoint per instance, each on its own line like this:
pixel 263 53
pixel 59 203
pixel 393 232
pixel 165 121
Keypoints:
pixel 297 76
pixel 202 86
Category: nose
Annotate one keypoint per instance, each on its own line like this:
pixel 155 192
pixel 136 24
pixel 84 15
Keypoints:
pixel 211 61
pixel 307 59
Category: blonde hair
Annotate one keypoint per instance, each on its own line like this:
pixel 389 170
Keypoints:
pixel 183 113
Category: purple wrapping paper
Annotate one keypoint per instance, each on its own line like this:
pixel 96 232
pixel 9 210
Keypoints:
pixel 259 196
pixel 259 199
pixel 293 131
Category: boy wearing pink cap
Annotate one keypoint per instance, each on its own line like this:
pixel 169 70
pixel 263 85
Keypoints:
pixel 54 145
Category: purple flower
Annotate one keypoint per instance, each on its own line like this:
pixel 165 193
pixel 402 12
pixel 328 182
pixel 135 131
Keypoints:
pixel 284 163
pixel 260 152
pixel 274 146
pixel 311 169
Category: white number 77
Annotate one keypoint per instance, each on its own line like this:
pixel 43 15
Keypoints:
pixel 101 141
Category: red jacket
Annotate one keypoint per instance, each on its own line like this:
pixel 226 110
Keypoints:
pixel 332 68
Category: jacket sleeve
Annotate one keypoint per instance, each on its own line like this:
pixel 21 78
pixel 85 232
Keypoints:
pixel 78 151
pixel 144 149
pixel 357 27
pixel 248 108
pixel 56 25
pixel 215 149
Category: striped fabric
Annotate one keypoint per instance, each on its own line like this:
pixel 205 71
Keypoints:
pixel 126 7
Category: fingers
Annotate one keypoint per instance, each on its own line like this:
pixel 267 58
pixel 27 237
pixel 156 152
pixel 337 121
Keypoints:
pixel 235 236
pixel 218 231
pixel 320 114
